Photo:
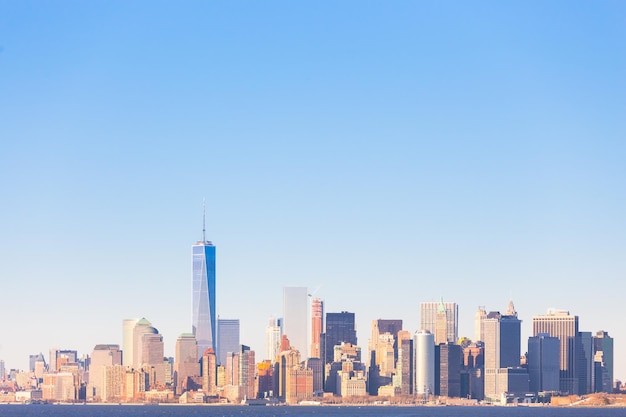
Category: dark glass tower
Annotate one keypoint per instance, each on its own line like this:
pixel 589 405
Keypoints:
pixel 339 328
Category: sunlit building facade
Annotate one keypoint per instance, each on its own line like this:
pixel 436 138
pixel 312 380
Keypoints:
pixel 204 318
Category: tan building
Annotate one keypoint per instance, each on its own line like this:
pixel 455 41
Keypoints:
pixel 186 364
pixel 209 373
pixel 102 357
pixel 114 379
pixel 59 387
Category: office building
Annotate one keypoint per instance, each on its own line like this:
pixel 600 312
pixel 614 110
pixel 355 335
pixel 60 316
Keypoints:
pixel 603 362
pixel 564 326
pixel 584 364
pixel 33 359
pixel 448 312
pixel 186 365
pixel 481 315
pixel 103 356
pixel 273 333
pixel 383 353
pixel 204 318
pixel 424 343
pixel 59 357
pixel 317 327
pixel 295 317
pixel 152 357
pixel 227 338
pixel 128 332
pixel 448 357
pixel 543 363
pixel 406 356
pixel 340 328
pixel 502 334
pixel 209 372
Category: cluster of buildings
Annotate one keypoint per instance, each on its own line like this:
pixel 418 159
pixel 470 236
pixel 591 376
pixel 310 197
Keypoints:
pixel 312 354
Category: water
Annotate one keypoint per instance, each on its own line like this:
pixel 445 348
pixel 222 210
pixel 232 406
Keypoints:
pixel 287 411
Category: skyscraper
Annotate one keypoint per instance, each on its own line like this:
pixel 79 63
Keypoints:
pixel 428 318
pixel 317 327
pixel 227 338
pixel 102 356
pixel 203 279
pixel 559 323
pixel 481 315
pixel 502 333
pixel 603 362
pixel 543 363
pixel 186 363
pixel 273 334
pixel 128 329
pixel 340 327
pixel 295 321
pixel 424 343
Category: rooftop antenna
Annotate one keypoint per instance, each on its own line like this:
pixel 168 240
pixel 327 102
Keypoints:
pixel 203 221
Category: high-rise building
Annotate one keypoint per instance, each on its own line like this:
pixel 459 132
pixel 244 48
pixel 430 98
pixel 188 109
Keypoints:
pixel 603 362
pixel 142 326
pixel 59 357
pixel 227 338
pixel 340 327
pixel 295 321
pixel 128 332
pixel 406 356
pixel 502 334
pixel 152 357
pixel 448 370
pixel 584 364
pixel 273 333
pixel 560 324
pixel 103 356
pixel 204 318
pixel 3 372
pixel 383 353
pixel 428 318
pixel 424 343
pixel 186 364
pixel 32 359
pixel 543 363
pixel 209 372
pixel 481 315
pixel 317 327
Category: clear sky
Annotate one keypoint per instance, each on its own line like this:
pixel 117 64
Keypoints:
pixel 387 153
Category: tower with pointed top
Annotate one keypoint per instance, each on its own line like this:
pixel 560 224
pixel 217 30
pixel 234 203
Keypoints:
pixel 204 318
pixel 429 313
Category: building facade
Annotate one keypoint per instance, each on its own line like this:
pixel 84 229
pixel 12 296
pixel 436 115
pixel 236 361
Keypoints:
pixel 186 365
pixel 564 326
pixel 447 311
pixel 227 338
pixel 204 318
pixel 543 363
pixel 317 327
pixel 424 343
pixel 295 317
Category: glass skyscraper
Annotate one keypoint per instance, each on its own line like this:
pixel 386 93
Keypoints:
pixel 295 318
pixel 204 315
pixel 227 338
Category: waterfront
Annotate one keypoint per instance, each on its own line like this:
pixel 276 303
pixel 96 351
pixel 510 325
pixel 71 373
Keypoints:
pixel 78 410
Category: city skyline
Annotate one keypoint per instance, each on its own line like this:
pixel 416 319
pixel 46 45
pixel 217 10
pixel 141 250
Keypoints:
pixel 386 153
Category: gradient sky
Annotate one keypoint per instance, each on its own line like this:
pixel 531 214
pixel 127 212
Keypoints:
pixel 385 153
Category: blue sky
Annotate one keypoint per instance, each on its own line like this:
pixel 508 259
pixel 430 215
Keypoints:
pixel 387 153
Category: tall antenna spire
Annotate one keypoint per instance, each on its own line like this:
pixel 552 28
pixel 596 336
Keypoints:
pixel 203 221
